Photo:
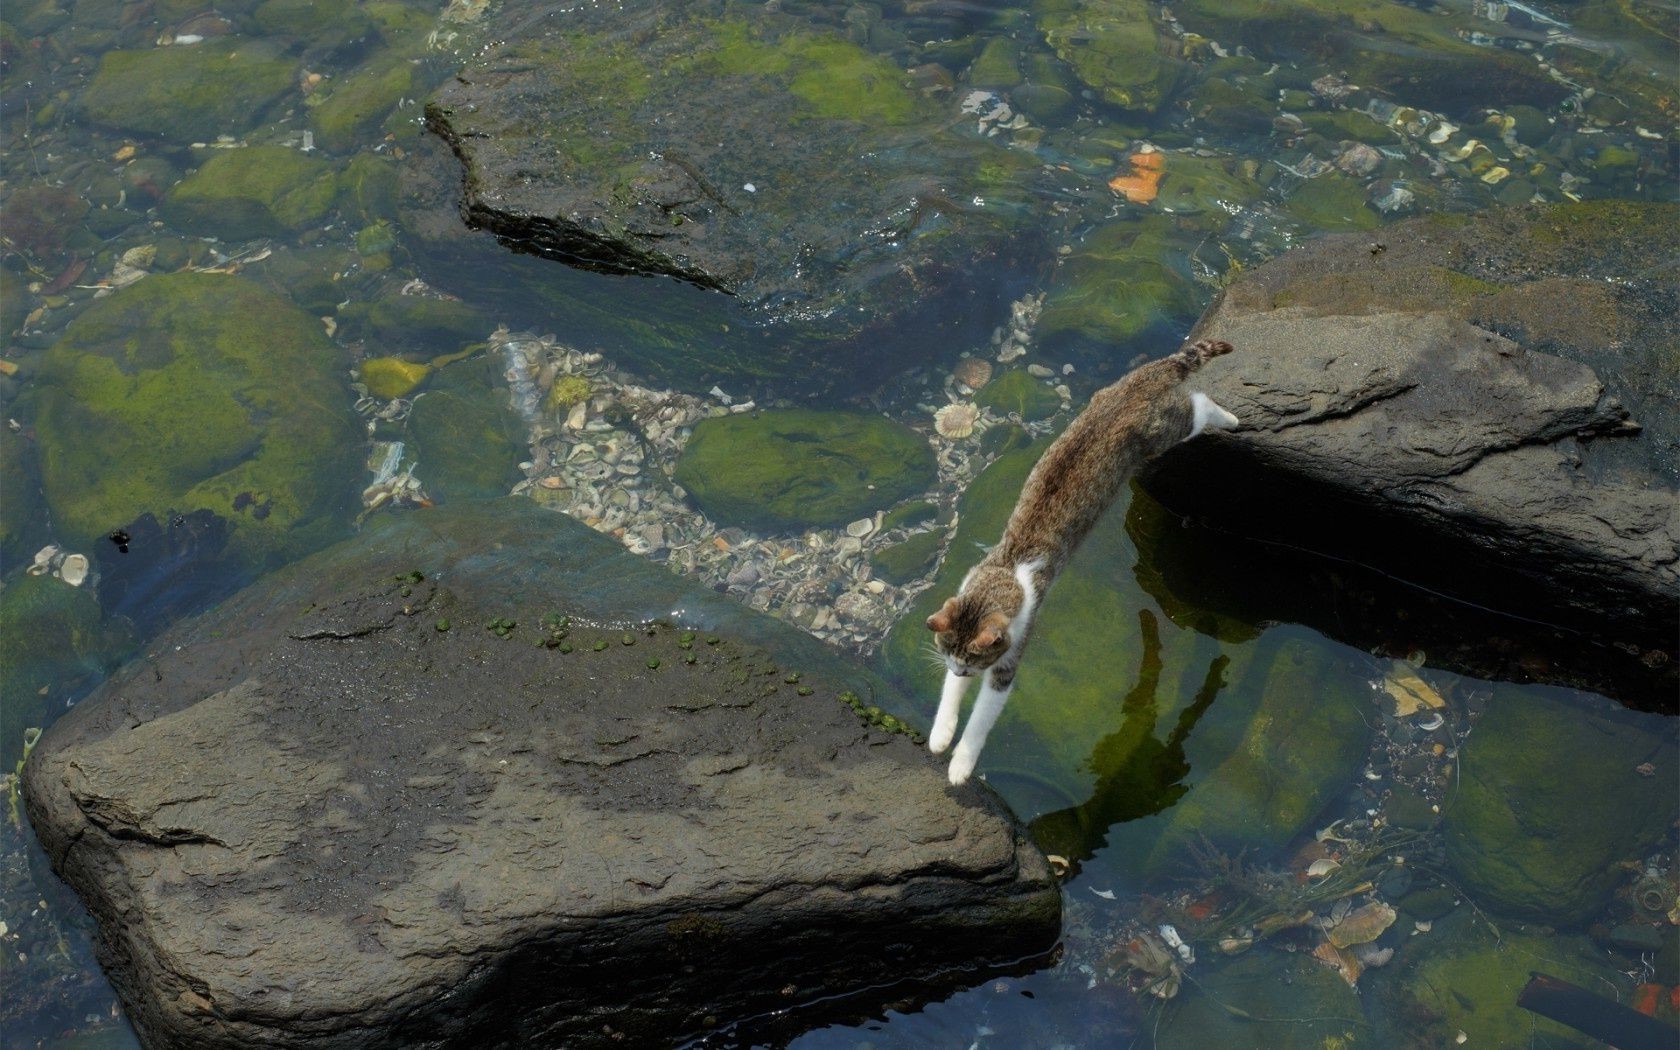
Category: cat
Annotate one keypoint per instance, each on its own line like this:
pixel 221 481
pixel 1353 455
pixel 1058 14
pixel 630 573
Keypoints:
pixel 982 631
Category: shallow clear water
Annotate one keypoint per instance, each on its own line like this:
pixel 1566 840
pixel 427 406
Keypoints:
pixel 1188 764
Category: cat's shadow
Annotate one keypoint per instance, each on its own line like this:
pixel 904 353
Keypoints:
pixel 1138 774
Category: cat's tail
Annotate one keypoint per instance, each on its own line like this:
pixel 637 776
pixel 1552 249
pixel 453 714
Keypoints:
pixel 1200 352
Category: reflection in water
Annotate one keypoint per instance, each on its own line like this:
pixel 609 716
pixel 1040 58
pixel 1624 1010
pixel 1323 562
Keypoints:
pixel 1137 774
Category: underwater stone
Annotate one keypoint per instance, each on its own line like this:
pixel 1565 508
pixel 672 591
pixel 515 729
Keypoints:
pixel 1016 392
pixel 795 468
pixel 443 325
pixel 1550 804
pixel 584 150
pixel 467 440
pixel 258 191
pixel 205 392
pixel 902 562
pixel 352 108
pixel 1311 1008
pixel 186 94
pixel 1121 282
pixel 1114 48
pixel 53 647
pixel 588 843
pixel 390 377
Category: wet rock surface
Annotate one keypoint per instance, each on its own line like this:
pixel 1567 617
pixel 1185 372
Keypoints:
pixel 384 823
pixel 766 156
pixel 1482 406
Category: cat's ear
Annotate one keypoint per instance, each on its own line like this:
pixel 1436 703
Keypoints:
pixel 940 622
pixel 992 629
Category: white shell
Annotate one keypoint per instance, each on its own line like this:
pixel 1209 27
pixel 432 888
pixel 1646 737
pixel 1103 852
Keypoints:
pixel 74 569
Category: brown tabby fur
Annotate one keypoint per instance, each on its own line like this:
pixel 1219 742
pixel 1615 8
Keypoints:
pixel 1126 424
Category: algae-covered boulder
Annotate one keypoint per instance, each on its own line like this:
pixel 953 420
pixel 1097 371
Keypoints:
pixel 758 152
pixel 1018 393
pixel 1264 1001
pixel 1465 977
pixel 22 511
pixel 797 468
pixel 340 811
pixel 186 94
pixel 54 646
pixel 198 391
pixel 1553 799
pixel 414 322
pixel 467 440
pixel 259 191
pixel 353 106
pixel 1124 280
pixel 907 560
pixel 1115 49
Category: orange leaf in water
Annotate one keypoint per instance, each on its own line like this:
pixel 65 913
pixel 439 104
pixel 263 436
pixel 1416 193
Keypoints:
pixel 1144 182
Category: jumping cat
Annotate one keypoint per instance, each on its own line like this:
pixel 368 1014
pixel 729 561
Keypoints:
pixel 982 631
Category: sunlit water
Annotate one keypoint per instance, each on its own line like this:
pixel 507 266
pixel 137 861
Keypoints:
pixel 1139 723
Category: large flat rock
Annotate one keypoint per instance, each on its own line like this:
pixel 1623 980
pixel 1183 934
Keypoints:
pixel 340 811
pixel 1484 407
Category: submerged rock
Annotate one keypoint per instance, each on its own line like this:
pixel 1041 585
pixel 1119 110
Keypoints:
pixel 206 393
pixel 798 467
pixel 1552 801
pixel 259 191
pixel 54 646
pixel 1481 406
pixel 339 811
pixel 1265 1001
pixel 760 154
pixel 188 93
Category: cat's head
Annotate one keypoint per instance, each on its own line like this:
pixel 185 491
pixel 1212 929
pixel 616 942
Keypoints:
pixel 971 631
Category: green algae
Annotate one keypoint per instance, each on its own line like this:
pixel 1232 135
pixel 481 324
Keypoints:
pixel 186 94
pixel 835 78
pixel 259 191
pixel 391 377
pixel 902 562
pixel 1017 393
pixel 998 65
pixel 353 107
pixel 1123 280
pixel 1550 803
pixel 796 468
pixel 53 643
pixel 1114 47
pixel 206 393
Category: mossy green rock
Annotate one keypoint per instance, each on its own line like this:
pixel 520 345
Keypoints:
pixel 466 437
pixel 999 65
pixel 909 560
pixel 1463 977
pixel 188 94
pixel 1019 393
pixel 53 646
pixel 797 468
pixel 259 191
pixel 1332 202
pixel 1114 48
pixel 1264 1001
pixel 441 325
pixel 353 107
pixel 199 391
pixel 1305 737
pixel 1126 278
pixel 23 526
pixel 1551 803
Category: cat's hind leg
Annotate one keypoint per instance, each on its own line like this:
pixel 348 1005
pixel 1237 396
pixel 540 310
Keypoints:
pixel 993 695
pixel 950 709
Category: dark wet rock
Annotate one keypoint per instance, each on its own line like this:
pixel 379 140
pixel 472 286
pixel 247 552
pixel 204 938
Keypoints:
pixel 258 191
pixel 795 468
pixel 188 93
pixel 340 811
pixel 206 393
pixel 1481 406
pixel 759 154
pixel 1552 801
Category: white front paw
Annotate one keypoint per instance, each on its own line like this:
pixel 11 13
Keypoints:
pixel 962 765
pixel 943 732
